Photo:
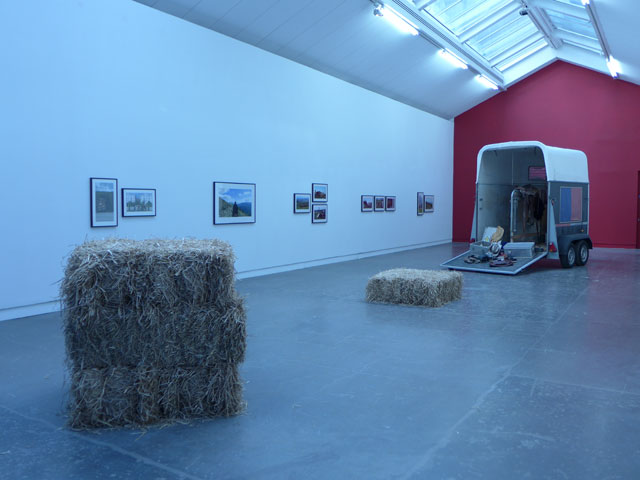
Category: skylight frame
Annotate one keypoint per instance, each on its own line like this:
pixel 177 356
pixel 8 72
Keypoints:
pixel 572 43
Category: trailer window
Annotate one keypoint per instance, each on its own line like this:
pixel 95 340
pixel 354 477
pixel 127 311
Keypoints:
pixel 570 204
pixel 537 173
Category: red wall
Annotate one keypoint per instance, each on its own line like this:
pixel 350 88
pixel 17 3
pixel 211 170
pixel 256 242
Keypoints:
pixel 562 106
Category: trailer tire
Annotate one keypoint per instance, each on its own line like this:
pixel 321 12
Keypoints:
pixel 582 253
pixel 568 260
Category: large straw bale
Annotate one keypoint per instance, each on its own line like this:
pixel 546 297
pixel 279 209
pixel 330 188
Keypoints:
pixel 139 275
pixel 430 288
pixel 122 396
pixel 154 330
pixel 195 336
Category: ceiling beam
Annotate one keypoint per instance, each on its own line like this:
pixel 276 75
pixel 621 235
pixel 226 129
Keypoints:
pixel 597 26
pixel 542 23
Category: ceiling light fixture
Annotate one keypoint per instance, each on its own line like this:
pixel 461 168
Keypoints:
pixel 395 19
pixel 585 2
pixel 486 82
pixel 614 66
pixel 453 59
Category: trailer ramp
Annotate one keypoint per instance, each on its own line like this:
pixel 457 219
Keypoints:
pixel 458 263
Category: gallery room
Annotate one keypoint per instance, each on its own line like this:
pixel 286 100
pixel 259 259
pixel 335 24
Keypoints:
pixel 291 239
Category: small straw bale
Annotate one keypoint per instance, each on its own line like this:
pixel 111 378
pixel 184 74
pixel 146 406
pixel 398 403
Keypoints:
pixel 154 331
pixel 429 288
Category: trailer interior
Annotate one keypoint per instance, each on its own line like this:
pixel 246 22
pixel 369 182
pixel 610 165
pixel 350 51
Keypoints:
pixel 511 192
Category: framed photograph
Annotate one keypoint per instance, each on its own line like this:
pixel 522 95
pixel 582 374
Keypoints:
pixel 420 203
pixel 320 192
pixel 366 203
pixel 104 202
pixel 234 203
pixel 138 202
pixel 390 204
pixel 378 204
pixel 319 214
pixel 301 202
pixel 428 203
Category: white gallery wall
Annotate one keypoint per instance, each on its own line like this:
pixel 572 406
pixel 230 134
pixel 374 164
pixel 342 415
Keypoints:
pixel 112 88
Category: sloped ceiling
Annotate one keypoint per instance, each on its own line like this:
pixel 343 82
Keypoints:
pixel 344 39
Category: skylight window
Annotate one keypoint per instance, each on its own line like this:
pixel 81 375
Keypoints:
pixel 458 15
pixel 492 28
pixel 507 32
pixel 503 35
pixel 572 24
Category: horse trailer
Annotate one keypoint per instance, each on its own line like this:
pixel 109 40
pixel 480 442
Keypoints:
pixel 532 202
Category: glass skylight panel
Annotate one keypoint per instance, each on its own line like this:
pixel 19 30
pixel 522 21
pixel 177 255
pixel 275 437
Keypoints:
pixel 528 51
pixel 477 14
pixel 457 15
pixel 502 35
pixel 571 24
pixel 521 35
pixel 438 7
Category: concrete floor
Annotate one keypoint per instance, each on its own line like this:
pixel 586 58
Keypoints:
pixel 534 376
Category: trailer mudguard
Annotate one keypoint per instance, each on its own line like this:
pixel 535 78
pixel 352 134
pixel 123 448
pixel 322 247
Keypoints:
pixel 565 240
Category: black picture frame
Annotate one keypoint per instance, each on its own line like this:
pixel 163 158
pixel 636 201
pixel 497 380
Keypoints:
pixel 320 213
pixel 378 203
pixel 319 192
pixel 420 204
pixel 138 202
pixel 366 203
pixel 390 203
pixel 103 201
pixel 299 203
pixel 225 213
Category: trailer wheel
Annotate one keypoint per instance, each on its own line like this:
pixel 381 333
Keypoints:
pixel 568 260
pixel 582 256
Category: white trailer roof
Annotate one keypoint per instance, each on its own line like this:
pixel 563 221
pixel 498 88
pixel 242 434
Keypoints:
pixel 562 164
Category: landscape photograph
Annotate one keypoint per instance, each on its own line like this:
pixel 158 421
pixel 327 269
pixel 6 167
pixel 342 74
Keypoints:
pixel 319 214
pixel 234 202
pixel 428 203
pixel 301 203
pixel 320 192
pixel 366 203
pixel 105 202
pixel 390 204
pixel 138 202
